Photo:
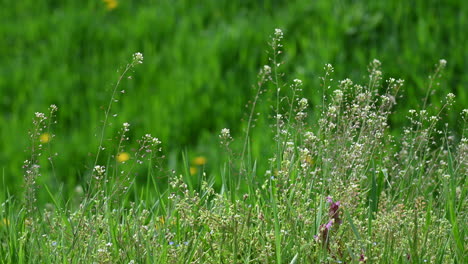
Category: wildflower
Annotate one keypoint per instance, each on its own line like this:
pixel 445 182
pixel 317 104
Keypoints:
pixel 193 170
pixel 53 108
pixel 100 170
pixel 225 133
pixel 126 126
pixel 362 258
pixel 45 138
pixel 278 33
pixel 138 58
pixel 334 210
pixel 442 63
pixel 329 225
pixel 40 115
pixel 5 222
pixel 123 157
pixel 297 82
pixel 111 4
pixel 328 67
pixel 450 98
pixel 225 137
pixel 465 112
pixel 338 95
pixel 199 161
pixel 376 63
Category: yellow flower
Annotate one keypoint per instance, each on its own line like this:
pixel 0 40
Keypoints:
pixel 5 222
pixel 122 157
pixel 193 170
pixel 111 4
pixel 45 138
pixel 161 221
pixel 309 160
pixel 199 161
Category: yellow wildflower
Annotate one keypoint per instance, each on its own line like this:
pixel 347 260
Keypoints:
pixel 111 4
pixel 5 222
pixel 45 138
pixel 193 170
pixel 199 161
pixel 161 221
pixel 123 156
pixel 309 160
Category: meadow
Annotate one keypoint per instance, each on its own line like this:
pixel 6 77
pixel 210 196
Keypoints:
pixel 201 63
pixel 223 142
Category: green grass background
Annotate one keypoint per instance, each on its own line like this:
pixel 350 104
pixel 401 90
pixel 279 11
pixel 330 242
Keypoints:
pixel 201 59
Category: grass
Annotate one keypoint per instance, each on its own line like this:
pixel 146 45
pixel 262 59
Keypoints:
pixel 65 53
pixel 341 189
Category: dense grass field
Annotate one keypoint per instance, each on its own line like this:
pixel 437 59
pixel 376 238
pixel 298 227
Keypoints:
pixel 341 190
pixel 225 142
pixel 201 62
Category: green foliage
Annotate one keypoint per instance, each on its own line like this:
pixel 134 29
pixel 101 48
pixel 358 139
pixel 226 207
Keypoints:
pixel 201 62
pixel 341 189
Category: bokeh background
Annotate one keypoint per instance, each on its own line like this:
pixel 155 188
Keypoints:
pixel 201 59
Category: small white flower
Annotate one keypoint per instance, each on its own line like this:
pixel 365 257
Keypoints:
pixel 303 103
pixel 126 126
pixel 338 94
pixel 138 58
pixel 443 63
pixel 376 63
pixel 100 170
pixel 297 82
pixel 278 33
pixel 40 115
pixel 53 108
pixel 450 98
pixel 225 133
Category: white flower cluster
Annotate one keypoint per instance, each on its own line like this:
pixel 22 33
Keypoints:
pixel 126 126
pixel 100 170
pixel 346 83
pixel 303 104
pixel 40 115
pixel 225 133
pixel 450 98
pixel 442 63
pixel 138 58
pixel 153 140
pixel 278 33
pixel 464 114
pixel 297 82
pixel 338 95
pixel 53 108
pixel 329 68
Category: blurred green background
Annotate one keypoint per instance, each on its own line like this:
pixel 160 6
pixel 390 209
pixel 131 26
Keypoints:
pixel 201 59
